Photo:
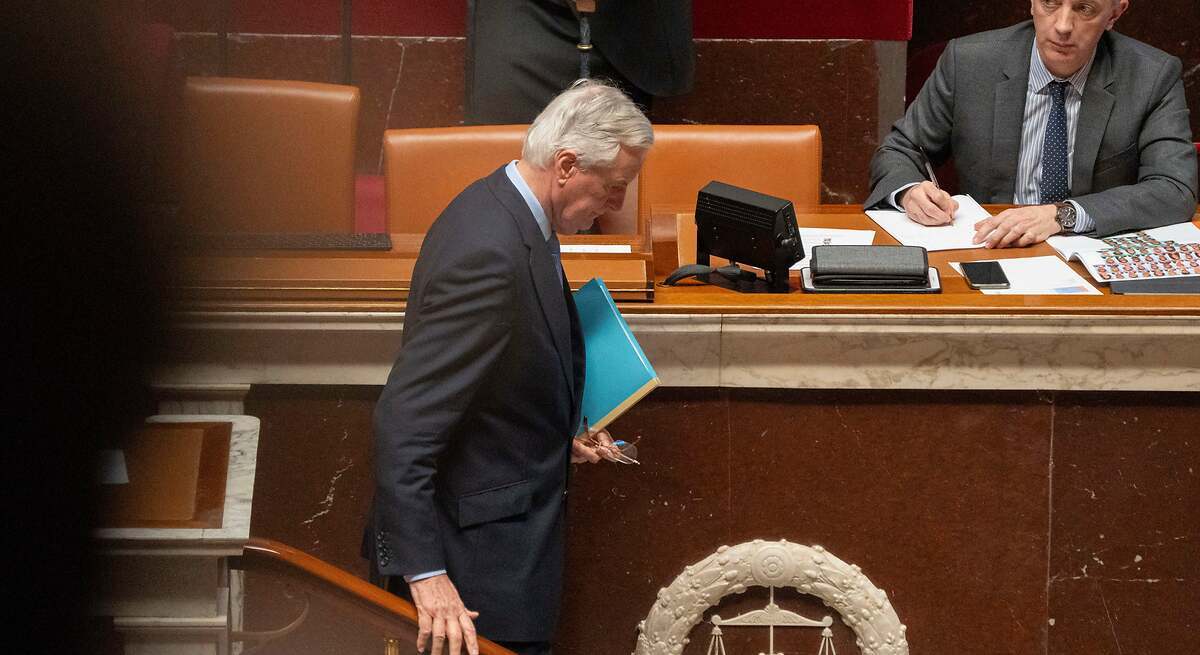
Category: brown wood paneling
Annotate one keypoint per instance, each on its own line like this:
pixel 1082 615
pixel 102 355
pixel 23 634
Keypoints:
pixel 378 281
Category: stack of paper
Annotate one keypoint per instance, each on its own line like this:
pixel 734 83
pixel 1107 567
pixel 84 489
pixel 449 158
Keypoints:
pixel 1039 276
pixel 821 236
pixel 955 236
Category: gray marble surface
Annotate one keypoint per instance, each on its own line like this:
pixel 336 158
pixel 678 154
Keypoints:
pixel 813 351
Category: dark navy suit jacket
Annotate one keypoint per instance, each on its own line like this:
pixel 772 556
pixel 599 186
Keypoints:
pixel 473 430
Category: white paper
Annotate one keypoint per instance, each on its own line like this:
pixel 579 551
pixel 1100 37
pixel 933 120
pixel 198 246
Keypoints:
pixel 821 236
pixel 110 467
pixel 955 236
pixel 1120 257
pixel 1039 276
pixel 1070 247
pixel 597 247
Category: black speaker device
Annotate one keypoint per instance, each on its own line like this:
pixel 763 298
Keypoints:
pixel 747 227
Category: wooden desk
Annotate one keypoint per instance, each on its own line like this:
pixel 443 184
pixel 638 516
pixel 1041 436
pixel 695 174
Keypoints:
pixel 287 318
pixel 675 240
pixel 324 280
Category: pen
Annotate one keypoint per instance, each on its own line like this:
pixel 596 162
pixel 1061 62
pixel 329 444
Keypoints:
pixel 928 167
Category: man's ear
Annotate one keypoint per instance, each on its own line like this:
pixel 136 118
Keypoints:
pixel 1122 5
pixel 566 164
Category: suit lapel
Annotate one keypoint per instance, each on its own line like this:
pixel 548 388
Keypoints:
pixel 1094 113
pixel 546 280
pixel 1009 115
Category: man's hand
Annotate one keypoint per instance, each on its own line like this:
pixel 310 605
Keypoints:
pixel 441 615
pixel 592 447
pixel 1017 227
pixel 928 205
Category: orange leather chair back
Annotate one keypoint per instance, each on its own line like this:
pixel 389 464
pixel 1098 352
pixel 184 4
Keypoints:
pixel 778 160
pixel 268 156
pixel 425 168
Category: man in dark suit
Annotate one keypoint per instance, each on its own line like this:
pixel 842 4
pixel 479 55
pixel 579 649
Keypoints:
pixel 521 53
pixel 473 432
pixel 1086 128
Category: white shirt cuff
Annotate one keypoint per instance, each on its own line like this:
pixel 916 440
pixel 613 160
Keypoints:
pixel 422 576
pixel 897 192
pixel 1083 222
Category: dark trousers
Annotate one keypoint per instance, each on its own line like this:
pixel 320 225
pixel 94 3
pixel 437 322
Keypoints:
pixel 527 647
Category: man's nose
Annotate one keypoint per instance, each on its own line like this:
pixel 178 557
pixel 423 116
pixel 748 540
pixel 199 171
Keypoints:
pixel 1064 20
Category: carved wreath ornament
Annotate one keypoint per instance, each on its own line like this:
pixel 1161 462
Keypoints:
pixel 810 570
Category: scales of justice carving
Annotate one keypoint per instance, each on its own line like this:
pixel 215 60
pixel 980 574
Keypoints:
pixel 773 564
pixel 771 617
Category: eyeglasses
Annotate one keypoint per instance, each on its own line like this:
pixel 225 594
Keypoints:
pixel 626 450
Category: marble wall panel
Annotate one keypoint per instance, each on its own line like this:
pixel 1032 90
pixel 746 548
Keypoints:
pixel 941 499
pixel 1112 465
pixel 1123 617
pixel 1125 535
pixel 944 498
pixel 314 480
pixel 833 84
pixel 313 58
pixel 634 528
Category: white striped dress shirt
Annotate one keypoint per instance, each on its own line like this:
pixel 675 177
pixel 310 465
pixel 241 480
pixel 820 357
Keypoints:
pixel 1038 103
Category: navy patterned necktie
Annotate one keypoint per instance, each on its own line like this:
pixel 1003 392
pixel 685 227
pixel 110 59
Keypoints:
pixel 1054 186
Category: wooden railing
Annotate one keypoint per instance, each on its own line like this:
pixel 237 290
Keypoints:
pixel 296 604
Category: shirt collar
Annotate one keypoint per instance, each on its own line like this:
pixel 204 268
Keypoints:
pixel 535 207
pixel 1040 76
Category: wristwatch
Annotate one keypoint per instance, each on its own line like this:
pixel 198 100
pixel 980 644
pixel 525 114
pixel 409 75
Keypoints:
pixel 1064 215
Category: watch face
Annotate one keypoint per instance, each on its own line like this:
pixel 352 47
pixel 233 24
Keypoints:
pixel 1065 215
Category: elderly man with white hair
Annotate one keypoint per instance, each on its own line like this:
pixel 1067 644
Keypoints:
pixel 1084 128
pixel 474 432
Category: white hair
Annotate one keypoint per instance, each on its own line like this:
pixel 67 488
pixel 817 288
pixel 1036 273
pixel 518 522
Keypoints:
pixel 592 118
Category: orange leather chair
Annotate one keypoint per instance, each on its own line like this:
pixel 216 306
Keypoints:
pixel 268 156
pixel 425 168
pixel 778 160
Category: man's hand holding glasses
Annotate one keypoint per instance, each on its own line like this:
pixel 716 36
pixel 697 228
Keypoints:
pixel 594 445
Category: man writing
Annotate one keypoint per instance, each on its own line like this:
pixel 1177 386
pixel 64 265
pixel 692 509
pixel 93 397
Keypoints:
pixel 473 431
pixel 1085 128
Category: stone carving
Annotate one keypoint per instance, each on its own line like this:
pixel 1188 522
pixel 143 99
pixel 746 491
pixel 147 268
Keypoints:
pixel 810 570
pixel 771 617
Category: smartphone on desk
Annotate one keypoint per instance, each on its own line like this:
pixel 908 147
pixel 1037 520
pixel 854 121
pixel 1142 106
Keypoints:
pixel 985 275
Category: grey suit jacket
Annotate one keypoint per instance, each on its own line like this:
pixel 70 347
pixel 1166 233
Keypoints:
pixel 1134 165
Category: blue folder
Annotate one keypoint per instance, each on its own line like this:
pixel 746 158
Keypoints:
pixel 618 373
